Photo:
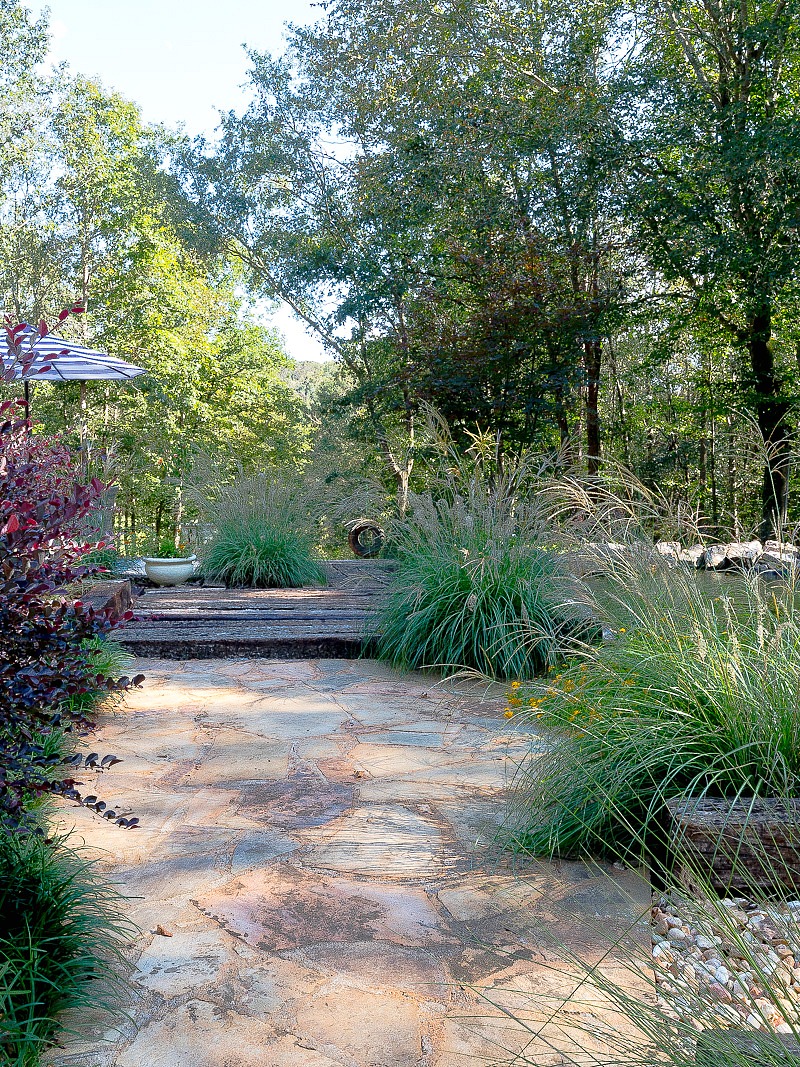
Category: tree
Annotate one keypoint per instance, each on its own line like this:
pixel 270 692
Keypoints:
pixel 24 48
pixel 711 138
pixel 436 214
pixel 91 213
pixel 499 126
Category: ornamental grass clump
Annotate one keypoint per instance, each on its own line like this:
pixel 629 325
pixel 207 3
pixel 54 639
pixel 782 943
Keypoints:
pixel 478 586
pixel 695 692
pixel 60 935
pixel 265 534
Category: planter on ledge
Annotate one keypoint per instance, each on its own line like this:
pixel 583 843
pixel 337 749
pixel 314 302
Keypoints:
pixel 173 571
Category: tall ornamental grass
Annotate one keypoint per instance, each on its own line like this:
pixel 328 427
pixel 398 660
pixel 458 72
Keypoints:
pixel 60 933
pixel 694 692
pixel 478 586
pixel 265 534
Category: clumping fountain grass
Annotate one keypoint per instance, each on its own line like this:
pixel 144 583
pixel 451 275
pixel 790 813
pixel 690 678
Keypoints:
pixel 475 589
pixel 265 535
pixel 60 933
pixel 694 694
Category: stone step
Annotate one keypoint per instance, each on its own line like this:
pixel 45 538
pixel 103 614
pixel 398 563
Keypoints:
pixel 244 642
pixel 195 622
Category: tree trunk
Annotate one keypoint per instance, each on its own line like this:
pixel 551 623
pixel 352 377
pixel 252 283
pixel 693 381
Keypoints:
pixel 178 519
pixel 713 476
pixel 772 411
pixel 592 361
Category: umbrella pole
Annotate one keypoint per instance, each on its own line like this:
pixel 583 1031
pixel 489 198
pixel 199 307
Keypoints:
pixel 27 388
pixel 82 430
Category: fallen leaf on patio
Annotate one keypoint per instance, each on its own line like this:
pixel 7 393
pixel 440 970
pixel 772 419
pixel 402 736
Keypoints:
pixel 163 931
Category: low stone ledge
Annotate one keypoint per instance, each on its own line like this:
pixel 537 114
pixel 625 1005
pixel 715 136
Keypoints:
pixel 729 1048
pixel 748 845
pixel 115 594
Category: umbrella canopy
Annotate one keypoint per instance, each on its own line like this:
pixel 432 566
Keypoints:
pixel 65 361
pixel 55 359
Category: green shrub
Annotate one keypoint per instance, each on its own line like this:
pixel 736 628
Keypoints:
pixel 695 694
pixel 59 937
pixel 474 588
pixel 265 533
pixel 105 558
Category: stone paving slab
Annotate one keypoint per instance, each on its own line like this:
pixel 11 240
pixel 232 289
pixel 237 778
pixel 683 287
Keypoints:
pixel 318 839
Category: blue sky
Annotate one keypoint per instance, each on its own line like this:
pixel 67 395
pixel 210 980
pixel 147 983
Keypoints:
pixel 181 61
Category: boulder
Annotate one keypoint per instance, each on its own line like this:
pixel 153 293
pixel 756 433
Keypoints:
pixel 715 558
pixel 743 553
pixel 782 565
pixel 782 550
pixel 670 550
pixel 694 555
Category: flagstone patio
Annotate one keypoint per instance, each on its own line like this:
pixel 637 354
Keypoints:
pixel 316 876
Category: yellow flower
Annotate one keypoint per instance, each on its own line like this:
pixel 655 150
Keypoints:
pixel 569 685
pixel 508 713
pixel 515 685
pixel 622 630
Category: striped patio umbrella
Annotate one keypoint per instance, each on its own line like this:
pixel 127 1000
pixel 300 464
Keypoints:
pixel 55 359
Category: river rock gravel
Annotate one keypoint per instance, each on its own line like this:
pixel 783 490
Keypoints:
pixel 730 961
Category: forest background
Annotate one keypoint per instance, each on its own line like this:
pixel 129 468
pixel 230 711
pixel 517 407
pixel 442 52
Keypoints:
pixel 570 231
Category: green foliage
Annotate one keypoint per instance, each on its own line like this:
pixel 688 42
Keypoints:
pixel 695 694
pixel 458 239
pixel 712 134
pixel 106 558
pixel 59 932
pixel 107 660
pixel 166 549
pixel 265 533
pixel 90 209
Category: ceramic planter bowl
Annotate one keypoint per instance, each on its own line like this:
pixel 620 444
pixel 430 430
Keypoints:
pixel 169 571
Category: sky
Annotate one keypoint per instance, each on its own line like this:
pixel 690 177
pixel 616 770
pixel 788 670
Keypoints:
pixel 182 62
